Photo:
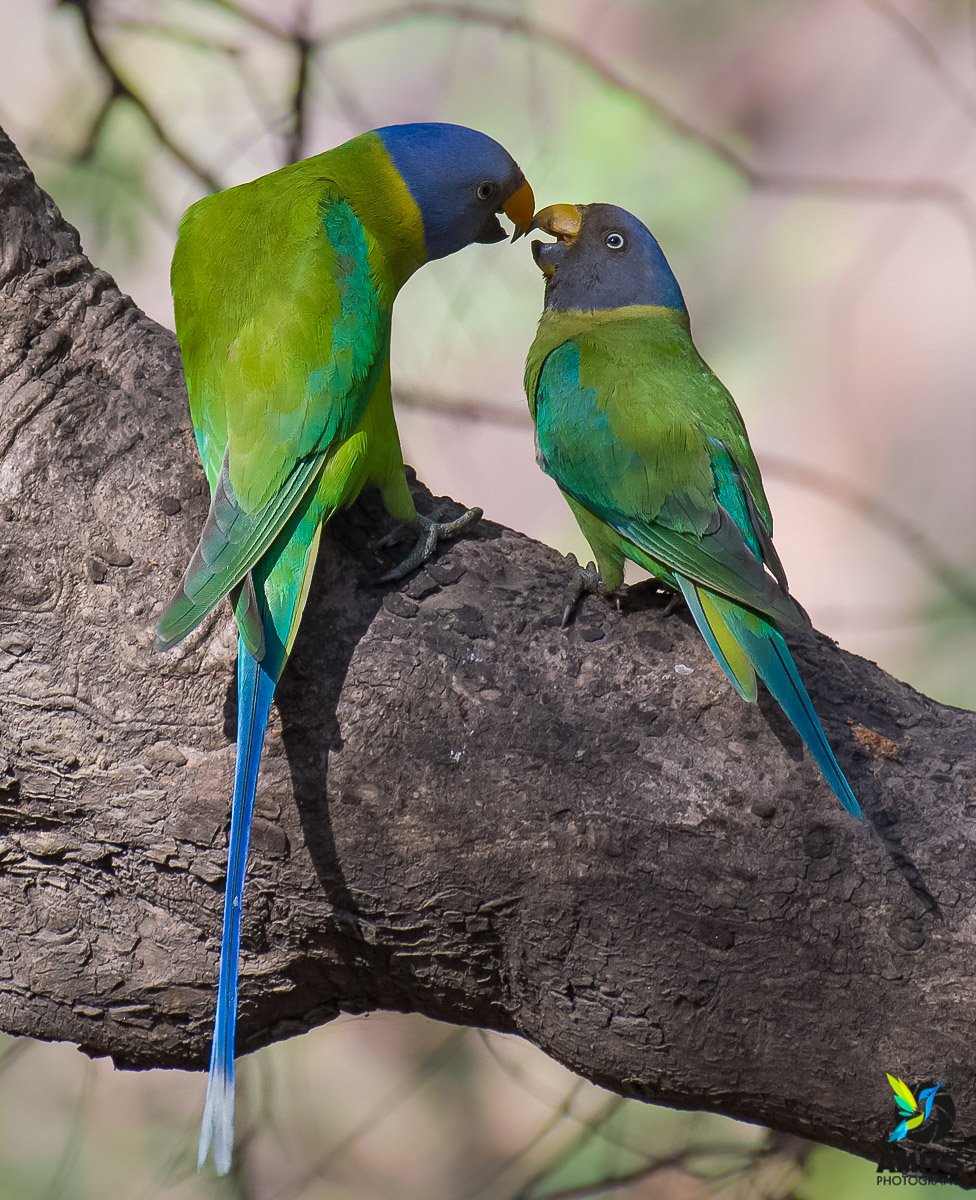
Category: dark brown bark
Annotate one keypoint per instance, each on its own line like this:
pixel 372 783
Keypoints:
pixel 583 837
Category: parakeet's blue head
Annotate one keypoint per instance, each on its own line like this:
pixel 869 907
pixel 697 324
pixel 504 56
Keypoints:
pixel 459 179
pixel 603 258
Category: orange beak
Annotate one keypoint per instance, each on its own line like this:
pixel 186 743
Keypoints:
pixel 519 208
pixel 563 221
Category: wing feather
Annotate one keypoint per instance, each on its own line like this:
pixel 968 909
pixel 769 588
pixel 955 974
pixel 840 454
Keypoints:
pixel 280 362
pixel 651 472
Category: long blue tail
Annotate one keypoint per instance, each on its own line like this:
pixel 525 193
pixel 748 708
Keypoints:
pixel 255 688
pixel 773 662
pixel 771 659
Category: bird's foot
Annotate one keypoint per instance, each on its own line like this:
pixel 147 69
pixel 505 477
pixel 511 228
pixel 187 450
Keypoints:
pixel 673 604
pixel 393 535
pixel 432 531
pixel 587 582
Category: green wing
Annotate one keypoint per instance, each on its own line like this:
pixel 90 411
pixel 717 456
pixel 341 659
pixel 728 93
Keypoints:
pixel 280 359
pixel 639 432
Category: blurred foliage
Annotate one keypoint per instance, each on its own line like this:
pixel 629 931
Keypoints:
pixel 832 1173
pixel 805 164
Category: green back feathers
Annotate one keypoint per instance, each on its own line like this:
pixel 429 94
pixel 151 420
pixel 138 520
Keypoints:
pixel 633 424
pixel 296 273
pixel 283 290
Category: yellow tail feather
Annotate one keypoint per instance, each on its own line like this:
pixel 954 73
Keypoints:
pixel 735 656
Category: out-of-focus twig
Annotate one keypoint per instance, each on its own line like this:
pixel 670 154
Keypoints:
pixel 438 1058
pixel 64 158
pixel 951 198
pixel 61 1179
pixel 121 90
pixel 678 1161
pixel 173 32
pixel 913 540
pixel 570 1148
pixel 354 110
pixel 467 408
pixel 86 150
pixel 304 51
pixel 518 1077
pixel 937 191
pixel 508 1163
pixel 918 39
pixel 15 1049
pixel 252 18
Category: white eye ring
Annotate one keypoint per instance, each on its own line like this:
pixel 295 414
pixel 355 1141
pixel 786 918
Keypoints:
pixel 614 240
pixel 485 190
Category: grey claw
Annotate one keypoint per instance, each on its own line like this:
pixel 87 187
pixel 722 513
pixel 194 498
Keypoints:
pixel 390 538
pixel 432 532
pixel 673 604
pixel 588 581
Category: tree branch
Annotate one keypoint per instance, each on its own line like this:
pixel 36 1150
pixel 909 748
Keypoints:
pixel 584 837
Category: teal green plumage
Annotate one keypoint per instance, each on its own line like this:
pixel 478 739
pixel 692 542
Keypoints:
pixel 652 455
pixel 283 292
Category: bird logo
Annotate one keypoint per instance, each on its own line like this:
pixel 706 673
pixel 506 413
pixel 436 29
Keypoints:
pixel 914 1113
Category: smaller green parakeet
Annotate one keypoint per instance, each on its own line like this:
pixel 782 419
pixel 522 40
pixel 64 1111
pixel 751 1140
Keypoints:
pixel 652 455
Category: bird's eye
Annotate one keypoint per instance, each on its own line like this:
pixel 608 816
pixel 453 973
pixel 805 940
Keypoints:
pixel 484 191
pixel 614 241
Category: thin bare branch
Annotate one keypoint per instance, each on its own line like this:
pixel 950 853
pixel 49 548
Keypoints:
pixel 927 54
pixel 121 90
pixel 172 32
pixel 913 540
pixel 680 1160
pixel 506 1164
pixel 304 51
pixel 940 192
pixel 936 191
pixel 252 83
pixel 354 111
pixel 518 1077
pixel 573 1146
pixel 438 1058
pixel 89 143
pixel 252 18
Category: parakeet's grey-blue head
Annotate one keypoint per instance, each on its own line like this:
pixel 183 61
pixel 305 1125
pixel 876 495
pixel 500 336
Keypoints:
pixel 460 179
pixel 603 258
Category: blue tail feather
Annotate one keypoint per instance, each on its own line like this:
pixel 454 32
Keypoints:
pixel 255 689
pixel 774 664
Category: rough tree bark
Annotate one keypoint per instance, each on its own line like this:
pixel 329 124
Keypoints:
pixel 582 837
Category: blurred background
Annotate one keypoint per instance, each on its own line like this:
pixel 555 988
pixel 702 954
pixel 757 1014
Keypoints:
pixel 810 168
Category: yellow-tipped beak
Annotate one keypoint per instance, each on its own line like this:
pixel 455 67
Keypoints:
pixel 563 221
pixel 519 208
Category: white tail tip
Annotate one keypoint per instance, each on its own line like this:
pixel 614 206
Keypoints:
pixel 217 1127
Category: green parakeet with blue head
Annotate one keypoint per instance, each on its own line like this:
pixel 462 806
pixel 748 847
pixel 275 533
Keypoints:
pixel 650 452
pixel 283 291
